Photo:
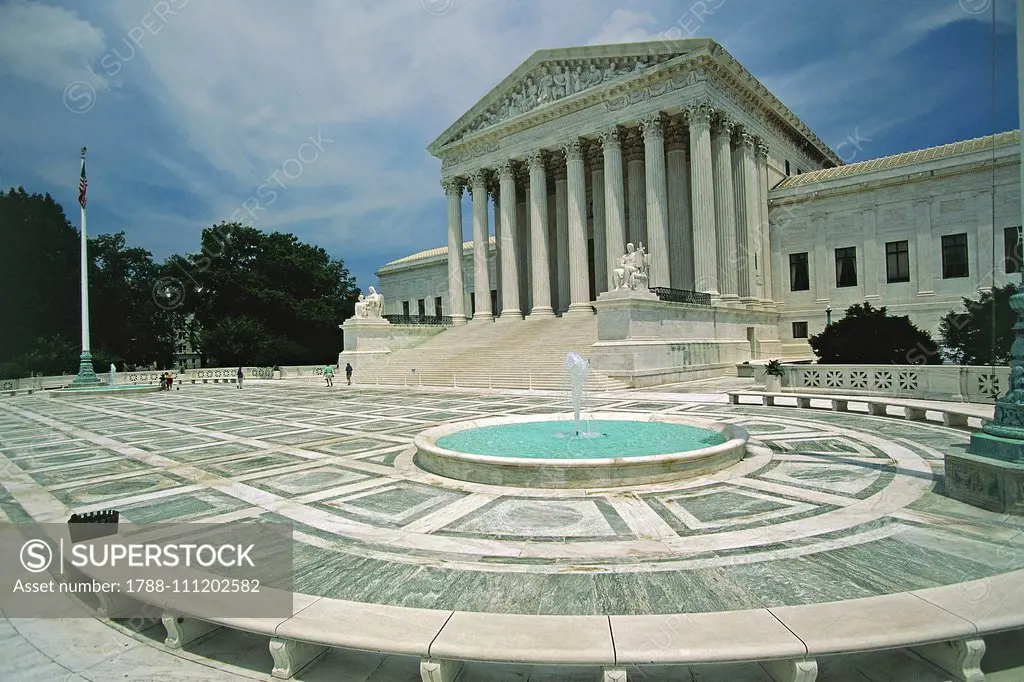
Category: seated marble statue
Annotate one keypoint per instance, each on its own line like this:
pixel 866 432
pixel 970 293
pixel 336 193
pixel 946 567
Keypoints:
pixel 374 304
pixel 361 304
pixel 632 270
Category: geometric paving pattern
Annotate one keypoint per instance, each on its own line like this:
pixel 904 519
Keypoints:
pixel 824 507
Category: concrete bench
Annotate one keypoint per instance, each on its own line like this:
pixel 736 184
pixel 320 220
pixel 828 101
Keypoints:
pixel 878 407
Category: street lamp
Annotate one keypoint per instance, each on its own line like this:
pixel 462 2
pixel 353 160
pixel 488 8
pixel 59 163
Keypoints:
pixel 828 314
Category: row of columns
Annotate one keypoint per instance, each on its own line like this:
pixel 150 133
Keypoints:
pixel 704 223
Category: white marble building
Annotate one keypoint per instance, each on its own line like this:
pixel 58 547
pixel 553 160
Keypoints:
pixel 674 144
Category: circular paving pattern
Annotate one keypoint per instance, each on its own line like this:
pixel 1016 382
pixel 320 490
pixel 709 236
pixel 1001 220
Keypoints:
pixel 824 507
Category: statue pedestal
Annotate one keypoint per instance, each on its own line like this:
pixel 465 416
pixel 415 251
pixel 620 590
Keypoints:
pixel 366 336
pixel 628 294
pixel 990 474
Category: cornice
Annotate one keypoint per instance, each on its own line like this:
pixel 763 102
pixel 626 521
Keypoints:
pixel 813 194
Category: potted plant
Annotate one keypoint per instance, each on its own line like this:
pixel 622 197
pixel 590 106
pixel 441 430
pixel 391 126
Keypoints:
pixel 277 372
pixel 773 374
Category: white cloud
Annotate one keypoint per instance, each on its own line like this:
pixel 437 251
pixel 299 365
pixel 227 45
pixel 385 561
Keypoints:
pixel 45 44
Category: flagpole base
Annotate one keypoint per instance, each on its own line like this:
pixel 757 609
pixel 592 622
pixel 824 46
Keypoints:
pixel 86 376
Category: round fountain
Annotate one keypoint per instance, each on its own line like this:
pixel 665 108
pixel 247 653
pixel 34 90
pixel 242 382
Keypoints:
pixel 577 450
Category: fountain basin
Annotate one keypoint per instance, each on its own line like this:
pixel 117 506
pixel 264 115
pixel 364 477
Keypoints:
pixel 575 467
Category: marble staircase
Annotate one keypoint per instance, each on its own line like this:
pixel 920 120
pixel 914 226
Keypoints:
pixel 527 354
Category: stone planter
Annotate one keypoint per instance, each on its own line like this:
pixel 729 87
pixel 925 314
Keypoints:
pixel 772 384
pixel 277 374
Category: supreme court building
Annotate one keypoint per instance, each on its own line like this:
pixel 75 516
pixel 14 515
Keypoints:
pixel 675 145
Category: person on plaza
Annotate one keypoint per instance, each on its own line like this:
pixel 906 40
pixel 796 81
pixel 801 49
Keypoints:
pixel 348 372
pixel 163 381
pixel 170 381
pixel 240 376
pixel 329 375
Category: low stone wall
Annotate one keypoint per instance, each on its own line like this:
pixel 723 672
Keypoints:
pixel 975 384
pixel 650 342
pixel 140 377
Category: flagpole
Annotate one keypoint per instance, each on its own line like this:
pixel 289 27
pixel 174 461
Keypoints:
pixel 86 375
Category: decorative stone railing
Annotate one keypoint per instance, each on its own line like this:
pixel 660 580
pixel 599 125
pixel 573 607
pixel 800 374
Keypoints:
pixel 976 384
pixel 431 320
pixel 218 374
pixel 681 296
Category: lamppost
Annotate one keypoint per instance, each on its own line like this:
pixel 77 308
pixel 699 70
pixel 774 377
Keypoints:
pixel 991 473
pixel 828 314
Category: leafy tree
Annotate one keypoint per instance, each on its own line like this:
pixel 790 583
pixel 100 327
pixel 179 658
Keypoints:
pixel 265 299
pixel 39 282
pixel 983 332
pixel 869 336
pixel 126 325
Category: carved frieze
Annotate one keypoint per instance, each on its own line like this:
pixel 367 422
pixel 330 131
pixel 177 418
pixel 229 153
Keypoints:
pixel 454 158
pixel 552 81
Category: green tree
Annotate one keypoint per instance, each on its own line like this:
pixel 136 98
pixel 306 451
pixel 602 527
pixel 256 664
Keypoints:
pixel 265 299
pixel 869 336
pixel 982 333
pixel 126 325
pixel 39 284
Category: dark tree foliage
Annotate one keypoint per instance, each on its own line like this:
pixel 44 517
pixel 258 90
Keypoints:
pixel 265 299
pixel 968 336
pixel 869 336
pixel 39 286
pixel 126 326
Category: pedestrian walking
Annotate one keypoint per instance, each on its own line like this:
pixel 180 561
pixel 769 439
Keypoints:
pixel 240 376
pixel 163 381
pixel 348 372
pixel 329 375
pixel 170 381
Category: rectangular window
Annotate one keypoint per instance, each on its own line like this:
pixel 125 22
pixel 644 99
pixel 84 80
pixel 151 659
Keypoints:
pixel 897 262
pixel 494 301
pixel 954 256
pixel 472 304
pixel 787 167
pixel 800 330
pixel 421 308
pixel 1012 252
pixel 405 308
pixel 799 277
pixel 437 307
pixel 799 172
pixel 846 267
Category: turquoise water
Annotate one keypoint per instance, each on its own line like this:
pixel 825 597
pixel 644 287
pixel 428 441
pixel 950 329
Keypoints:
pixel 557 440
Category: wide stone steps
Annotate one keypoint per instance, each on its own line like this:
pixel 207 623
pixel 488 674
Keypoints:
pixel 497 355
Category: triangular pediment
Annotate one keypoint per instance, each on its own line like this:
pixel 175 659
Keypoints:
pixel 549 76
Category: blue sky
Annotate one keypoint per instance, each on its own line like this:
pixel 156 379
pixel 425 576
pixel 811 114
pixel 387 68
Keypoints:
pixel 189 107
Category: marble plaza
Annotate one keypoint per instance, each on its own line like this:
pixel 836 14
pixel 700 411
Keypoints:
pixel 825 507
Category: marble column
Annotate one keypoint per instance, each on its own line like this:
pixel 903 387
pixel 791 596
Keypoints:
pixel 614 204
pixel 579 279
pixel 456 292
pixel 705 258
pixel 509 267
pixel 481 247
pixel 523 237
pixel 729 257
pixel 652 128
pixel 756 259
pixel 762 210
pixel 561 237
pixel 539 237
pixel 745 257
pixel 634 149
pixel 598 202
pixel 680 233
pixel 493 189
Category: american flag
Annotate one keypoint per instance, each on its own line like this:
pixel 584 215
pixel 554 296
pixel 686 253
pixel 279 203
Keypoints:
pixel 82 183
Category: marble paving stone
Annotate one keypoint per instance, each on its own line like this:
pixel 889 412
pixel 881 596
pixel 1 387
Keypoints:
pixel 300 437
pixel 91 493
pixel 394 506
pixel 79 471
pixel 350 447
pixel 537 518
pixel 249 463
pixel 83 456
pixel 187 507
pixel 208 452
pixel 164 444
pixel 719 507
pixel 847 479
pixel 307 481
